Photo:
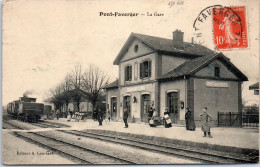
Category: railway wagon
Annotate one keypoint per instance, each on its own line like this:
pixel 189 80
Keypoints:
pixel 13 108
pixel 30 112
pixel 48 111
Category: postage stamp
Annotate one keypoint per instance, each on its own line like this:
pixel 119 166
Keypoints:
pixel 229 27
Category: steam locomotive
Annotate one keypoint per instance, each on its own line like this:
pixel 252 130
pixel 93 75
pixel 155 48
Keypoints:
pixel 25 109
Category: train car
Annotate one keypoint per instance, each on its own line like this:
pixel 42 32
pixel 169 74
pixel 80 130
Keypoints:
pixel 30 112
pixel 48 111
pixel 25 109
pixel 13 108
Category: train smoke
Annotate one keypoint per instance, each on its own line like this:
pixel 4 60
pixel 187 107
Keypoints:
pixel 28 92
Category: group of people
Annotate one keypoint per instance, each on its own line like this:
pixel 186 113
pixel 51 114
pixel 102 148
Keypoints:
pixel 205 118
pixel 189 118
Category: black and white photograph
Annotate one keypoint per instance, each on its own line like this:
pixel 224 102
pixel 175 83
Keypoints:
pixel 130 82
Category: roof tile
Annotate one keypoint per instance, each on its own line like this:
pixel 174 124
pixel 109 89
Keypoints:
pixel 112 85
pixel 188 67
pixel 164 44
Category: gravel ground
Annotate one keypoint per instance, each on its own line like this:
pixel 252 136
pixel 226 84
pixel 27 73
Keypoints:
pixel 234 137
pixel 237 137
pixel 16 151
pixel 135 154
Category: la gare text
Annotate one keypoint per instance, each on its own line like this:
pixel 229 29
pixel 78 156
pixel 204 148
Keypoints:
pixel 130 14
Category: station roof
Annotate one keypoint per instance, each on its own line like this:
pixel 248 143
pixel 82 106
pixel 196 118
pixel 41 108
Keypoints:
pixel 164 45
pixel 113 84
pixel 194 65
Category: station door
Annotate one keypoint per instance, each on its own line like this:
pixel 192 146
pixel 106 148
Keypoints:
pixel 172 100
pixel 145 107
pixel 113 108
pixel 127 104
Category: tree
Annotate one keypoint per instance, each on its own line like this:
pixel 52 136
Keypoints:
pixel 55 96
pixel 66 92
pixel 94 80
pixel 75 83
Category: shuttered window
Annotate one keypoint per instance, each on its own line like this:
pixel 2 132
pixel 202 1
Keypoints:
pixel 128 73
pixel 146 69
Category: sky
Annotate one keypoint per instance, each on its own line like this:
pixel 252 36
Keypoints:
pixel 44 39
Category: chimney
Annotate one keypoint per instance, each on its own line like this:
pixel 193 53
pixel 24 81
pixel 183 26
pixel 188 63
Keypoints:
pixel 177 39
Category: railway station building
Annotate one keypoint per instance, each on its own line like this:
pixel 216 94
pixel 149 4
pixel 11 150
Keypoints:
pixel 172 74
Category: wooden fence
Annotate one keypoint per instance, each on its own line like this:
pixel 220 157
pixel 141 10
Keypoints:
pixel 234 119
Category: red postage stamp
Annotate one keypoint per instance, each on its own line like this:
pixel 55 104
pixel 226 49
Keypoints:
pixel 229 27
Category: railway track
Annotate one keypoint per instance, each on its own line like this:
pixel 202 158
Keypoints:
pixel 176 150
pixel 189 153
pixel 45 124
pixel 203 156
pixel 7 125
pixel 82 153
pixel 74 150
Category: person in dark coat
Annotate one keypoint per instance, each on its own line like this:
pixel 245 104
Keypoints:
pixel 189 118
pixel 205 118
pixel 150 113
pixel 125 116
pixel 100 117
pixel 95 114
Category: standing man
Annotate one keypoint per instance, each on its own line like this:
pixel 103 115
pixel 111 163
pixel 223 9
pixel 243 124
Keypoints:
pixel 58 113
pixel 125 116
pixel 95 114
pixel 205 118
pixel 100 117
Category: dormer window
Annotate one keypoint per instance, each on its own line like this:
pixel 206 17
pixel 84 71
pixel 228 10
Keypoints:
pixel 128 73
pixel 145 69
pixel 217 72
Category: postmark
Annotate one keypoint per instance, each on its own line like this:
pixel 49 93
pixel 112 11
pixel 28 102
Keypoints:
pixel 229 27
pixel 201 25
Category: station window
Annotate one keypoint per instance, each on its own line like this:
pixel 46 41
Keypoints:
pixel 145 69
pixel 217 72
pixel 136 48
pixel 128 73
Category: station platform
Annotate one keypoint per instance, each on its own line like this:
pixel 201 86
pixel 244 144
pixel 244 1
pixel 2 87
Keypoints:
pixel 224 138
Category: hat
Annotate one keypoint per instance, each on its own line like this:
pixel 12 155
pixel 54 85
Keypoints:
pixel 205 109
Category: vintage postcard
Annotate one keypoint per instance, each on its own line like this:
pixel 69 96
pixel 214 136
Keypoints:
pixel 98 82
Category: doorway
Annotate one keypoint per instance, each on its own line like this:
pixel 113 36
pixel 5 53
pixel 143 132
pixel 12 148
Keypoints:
pixel 145 107
pixel 113 108
pixel 172 101
pixel 127 104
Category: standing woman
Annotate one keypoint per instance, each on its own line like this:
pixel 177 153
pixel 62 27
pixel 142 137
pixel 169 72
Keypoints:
pixel 189 118
pixel 205 117
pixel 125 116
pixel 167 119
pixel 150 113
pixel 108 115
